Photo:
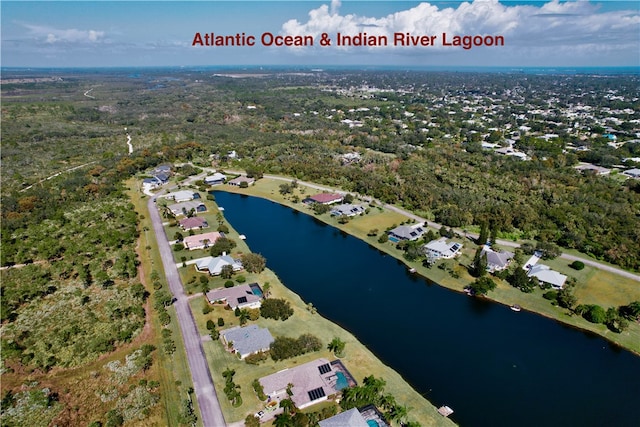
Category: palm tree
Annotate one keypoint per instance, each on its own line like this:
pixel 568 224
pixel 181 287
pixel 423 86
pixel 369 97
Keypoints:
pixel 283 420
pixel 244 316
pixel 398 413
pixel 287 405
pixel 266 288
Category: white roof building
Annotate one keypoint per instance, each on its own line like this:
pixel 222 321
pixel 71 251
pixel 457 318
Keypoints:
pixel 546 275
pixel 437 249
pixel 214 264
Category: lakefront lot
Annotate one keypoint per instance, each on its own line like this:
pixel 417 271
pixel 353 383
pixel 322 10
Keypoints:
pixel 594 286
pixel 357 358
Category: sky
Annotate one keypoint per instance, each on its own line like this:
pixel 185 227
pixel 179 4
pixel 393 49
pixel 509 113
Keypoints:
pixel 581 33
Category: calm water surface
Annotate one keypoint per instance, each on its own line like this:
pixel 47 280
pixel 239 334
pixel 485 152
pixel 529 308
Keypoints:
pixel 493 366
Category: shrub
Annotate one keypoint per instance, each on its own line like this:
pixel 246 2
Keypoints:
pixel 275 308
pixel 384 238
pixel 228 284
pixel 551 295
pixel 256 358
pixel 241 279
pixel 220 321
pixel 577 265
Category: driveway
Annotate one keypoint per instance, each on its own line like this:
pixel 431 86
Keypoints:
pixel 210 412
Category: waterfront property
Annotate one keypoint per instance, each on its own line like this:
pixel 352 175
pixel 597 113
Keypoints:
pixel 182 196
pixel 407 232
pixel 313 382
pixel 213 265
pixel 546 275
pixel 323 199
pixel 347 210
pixel 193 223
pixel 185 207
pixel 367 416
pixel 243 296
pixel 247 340
pixel 496 260
pixel 215 179
pixel 201 241
pixel 441 249
pixel 239 180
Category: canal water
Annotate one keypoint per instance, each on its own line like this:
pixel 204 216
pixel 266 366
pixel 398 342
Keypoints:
pixel 493 366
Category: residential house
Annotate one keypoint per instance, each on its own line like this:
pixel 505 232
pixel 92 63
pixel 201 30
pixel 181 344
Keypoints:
pixel 633 173
pixel 324 199
pixel 185 207
pixel 215 179
pixel 347 210
pixel 242 296
pixel 201 241
pixel 351 418
pixel 441 249
pixel 366 416
pixel 182 196
pixel 546 275
pixel 588 167
pixel 313 382
pixel 239 180
pixel 213 265
pixel 496 260
pixel 247 340
pixel 407 232
pixel 193 223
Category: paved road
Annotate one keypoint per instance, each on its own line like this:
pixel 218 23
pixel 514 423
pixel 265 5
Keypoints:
pixel 435 225
pixel 210 411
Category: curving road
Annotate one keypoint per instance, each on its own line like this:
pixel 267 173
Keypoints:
pixel 210 411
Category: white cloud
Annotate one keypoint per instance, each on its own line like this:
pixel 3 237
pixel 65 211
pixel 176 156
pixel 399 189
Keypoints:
pixel 559 26
pixel 53 35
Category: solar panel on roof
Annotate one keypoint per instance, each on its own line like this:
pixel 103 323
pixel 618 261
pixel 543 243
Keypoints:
pixel 316 394
pixel 324 368
pixel 242 300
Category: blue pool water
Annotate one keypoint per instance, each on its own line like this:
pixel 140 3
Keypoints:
pixel 342 381
pixel 256 290
pixel 372 423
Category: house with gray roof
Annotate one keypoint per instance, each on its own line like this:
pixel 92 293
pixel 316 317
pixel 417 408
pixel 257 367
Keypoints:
pixel 546 275
pixel 355 417
pixel 215 179
pixel 496 260
pixel 347 210
pixel 242 296
pixel 213 265
pixel 633 173
pixel 313 382
pixel 247 340
pixel 185 207
pixel 407 232
pixel 351 418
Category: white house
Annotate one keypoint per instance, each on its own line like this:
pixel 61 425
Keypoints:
pixel 215 179
pixel 546 275
pixel 182 196
pixel 437 249
pixel 407 232
pixel 214 265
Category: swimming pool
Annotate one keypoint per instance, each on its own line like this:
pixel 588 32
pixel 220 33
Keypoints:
pixel 341 382
pixel 255 288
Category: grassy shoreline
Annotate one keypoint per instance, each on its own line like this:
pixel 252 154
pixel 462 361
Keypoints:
pixel 358 358
pixel 595 286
